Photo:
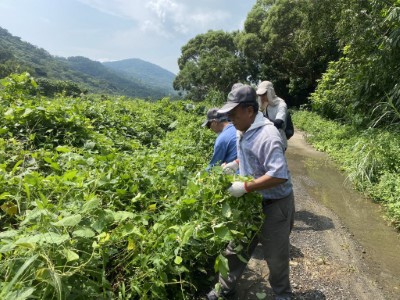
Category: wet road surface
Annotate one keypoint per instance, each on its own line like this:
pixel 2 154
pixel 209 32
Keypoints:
pixel 342 247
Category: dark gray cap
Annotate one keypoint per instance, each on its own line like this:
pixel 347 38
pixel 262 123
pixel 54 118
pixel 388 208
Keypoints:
pixel 213 114
pixel 242 94
pixel 236 85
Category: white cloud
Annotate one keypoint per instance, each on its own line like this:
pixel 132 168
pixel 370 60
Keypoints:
pixel 131 9
pixel 155 27
pixel 163 8
pixel 153 30
pixel 166 18
pixel 204 19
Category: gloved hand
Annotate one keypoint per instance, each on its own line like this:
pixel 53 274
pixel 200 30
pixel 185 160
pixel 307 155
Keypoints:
pixel 238 189
pixel 230 168
pixel 278 123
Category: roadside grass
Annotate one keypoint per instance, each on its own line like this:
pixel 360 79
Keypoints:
pixel 369 157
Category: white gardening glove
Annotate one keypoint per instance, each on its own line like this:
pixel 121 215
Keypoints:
pixel 238 189
pixel 230 168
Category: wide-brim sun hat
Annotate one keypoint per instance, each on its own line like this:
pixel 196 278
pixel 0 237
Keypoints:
pixel 263 87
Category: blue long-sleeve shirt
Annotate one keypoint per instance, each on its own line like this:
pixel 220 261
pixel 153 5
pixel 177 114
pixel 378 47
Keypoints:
pixel 224 147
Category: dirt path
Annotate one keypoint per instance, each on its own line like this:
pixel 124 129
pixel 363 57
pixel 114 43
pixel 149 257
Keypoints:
pixel 326 260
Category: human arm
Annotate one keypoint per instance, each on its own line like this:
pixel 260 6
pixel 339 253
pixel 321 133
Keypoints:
pixel 281 114
pixel 239 188
pixel 218 155
pixel 278 123
pixel 263 182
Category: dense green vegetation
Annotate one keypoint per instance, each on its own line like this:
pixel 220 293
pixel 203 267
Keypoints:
pixel 349 49
pixel 104 197
pixel 369 157
pixel 362 87
pixel 337 58
pixel 107 198
pixel 209 62
pixel 287 42
pixel 89 76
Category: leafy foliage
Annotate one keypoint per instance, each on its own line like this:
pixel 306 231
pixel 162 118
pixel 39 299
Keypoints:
pixel 287 42
pixel 361 87
pixel 99 198
pixel 347 60
pixel 209 61
pixel 51 88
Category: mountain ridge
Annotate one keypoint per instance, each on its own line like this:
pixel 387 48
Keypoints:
pixel 146 80
pixel 144 71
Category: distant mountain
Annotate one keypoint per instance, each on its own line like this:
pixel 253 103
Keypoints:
pixel 117 78
pixel 120 82
pixel 147 73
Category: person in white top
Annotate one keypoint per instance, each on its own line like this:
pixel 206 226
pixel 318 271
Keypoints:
pixel 273 107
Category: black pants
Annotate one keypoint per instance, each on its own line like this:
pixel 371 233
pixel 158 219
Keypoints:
pixel 274 237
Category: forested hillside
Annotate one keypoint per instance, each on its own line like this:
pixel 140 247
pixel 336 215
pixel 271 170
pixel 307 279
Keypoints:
pixel 120 82
pixel 81 73
pixel 146 73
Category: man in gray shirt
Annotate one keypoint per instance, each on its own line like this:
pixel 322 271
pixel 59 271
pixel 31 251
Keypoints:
pixel 261 156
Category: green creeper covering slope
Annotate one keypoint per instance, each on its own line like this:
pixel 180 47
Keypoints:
pixel 107 198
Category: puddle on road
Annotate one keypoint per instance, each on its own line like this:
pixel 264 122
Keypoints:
pixel 362 217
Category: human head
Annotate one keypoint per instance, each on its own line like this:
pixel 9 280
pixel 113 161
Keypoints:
pixel 215 120
pixel 241 107
pixel 266 92
pixel 263 87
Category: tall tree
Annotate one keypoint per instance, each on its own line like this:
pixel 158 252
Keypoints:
pixel 210 61
pixel 362 87
pixel 299 40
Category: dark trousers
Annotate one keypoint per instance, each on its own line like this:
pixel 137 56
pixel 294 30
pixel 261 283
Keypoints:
pixel 274 237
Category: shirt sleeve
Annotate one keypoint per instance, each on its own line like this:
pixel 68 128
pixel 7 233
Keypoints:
pixel 273 159
pixel 219 154
pixel 282 111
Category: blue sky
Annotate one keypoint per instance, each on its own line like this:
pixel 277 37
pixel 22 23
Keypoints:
pixel 106 30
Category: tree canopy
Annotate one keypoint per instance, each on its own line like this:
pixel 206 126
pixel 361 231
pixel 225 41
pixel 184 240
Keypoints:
pixel 362 86
pixel 339 56
pixel 210 61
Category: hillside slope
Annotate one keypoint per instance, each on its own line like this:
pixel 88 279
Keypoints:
pixel 18 56
pixel 147 73
pixel 118 82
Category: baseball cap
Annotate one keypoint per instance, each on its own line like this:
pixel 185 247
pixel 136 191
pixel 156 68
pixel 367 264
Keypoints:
pixel 236 85
pixel 213 114
pixel 242 94
pixel 263 87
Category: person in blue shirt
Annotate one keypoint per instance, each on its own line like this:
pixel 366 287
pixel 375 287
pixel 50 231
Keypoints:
pixel 225 144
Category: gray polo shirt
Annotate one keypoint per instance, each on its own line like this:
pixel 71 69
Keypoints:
pixel 260 152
